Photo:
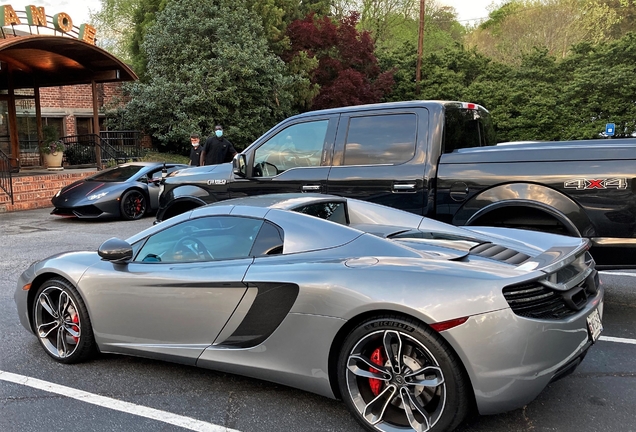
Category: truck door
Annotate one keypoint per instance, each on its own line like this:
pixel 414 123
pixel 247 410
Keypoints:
pixel 294 157
pixel 380 156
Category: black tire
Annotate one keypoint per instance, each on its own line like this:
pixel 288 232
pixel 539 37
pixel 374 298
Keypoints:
pixel 133 205
pixel 378 404
pixel 61 322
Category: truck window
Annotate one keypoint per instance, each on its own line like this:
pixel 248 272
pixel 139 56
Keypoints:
pixel 299 145
pixel 466 128
pixel 380 139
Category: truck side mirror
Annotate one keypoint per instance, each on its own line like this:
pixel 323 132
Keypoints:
pixel 239 165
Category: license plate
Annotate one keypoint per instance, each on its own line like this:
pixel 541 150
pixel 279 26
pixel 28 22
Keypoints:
pixel 594 325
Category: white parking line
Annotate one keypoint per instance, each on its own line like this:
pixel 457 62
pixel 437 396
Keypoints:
pixel 617 339
pixel 114 404
pixel 613 273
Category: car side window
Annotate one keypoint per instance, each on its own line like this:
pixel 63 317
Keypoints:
pixel 269 241
pixel 331 211
pixel 210 238
pixel 380 139
pixel 299 145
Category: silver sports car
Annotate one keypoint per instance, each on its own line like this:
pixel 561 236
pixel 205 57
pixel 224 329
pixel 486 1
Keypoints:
pixel 411 322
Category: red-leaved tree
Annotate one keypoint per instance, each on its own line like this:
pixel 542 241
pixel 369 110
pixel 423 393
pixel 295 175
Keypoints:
pixel 347 71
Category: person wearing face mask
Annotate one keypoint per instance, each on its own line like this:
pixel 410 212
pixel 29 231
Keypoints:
pixel 195 152
pixel 217 149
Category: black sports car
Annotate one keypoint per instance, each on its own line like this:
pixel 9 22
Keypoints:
pixel 128 191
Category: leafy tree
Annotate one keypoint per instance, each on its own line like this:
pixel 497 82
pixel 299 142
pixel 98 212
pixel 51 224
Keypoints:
pixel 600 88
pixel 347 70
pixel 446 73
pixel 525 100
pixel 626 10
pixel 144 17
pixel 114 23
pixel 522 25
pixel 208 63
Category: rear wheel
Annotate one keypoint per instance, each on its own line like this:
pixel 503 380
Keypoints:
pixel 61 322
pixel 133 205
pixel 397 375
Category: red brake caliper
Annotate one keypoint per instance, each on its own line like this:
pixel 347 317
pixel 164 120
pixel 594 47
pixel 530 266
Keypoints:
pixel 76 328
pixel 378 358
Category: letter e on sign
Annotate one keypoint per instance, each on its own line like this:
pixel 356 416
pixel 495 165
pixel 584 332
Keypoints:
pixel 63 22
pixel 87 33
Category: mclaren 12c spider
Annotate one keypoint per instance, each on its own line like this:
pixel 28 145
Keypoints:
pixel 411 322
pixel 128 191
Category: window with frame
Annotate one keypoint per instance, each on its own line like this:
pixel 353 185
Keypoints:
pixel 299 145
pixel 331 211
pixel 380 139
pixel 467 128
pixel 211 238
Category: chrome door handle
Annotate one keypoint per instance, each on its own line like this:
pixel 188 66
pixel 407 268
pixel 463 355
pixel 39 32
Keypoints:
pixel 310 188
pixel 404 187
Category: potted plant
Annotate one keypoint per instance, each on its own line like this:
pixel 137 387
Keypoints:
pixel 52 148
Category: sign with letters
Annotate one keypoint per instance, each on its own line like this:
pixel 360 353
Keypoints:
pixel 36 17
pixel 609 129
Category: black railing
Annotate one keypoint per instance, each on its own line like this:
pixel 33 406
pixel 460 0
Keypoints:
pixel 122 138
pixel 6 181
pixel 80 150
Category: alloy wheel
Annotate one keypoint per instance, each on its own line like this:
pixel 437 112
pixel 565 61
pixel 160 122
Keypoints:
pixel 395 382
pixel 57 322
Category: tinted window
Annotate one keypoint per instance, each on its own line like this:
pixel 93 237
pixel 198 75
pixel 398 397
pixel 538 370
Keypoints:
pixel 298 145
pixel 269 241
pixel 117 174
pixel 383 139
pixel 466 128
pixel 331 211
pixel 203 239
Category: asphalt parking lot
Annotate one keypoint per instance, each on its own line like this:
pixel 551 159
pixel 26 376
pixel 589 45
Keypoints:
pixel 118 393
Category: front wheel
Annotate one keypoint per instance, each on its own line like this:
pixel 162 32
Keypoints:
pixel 395 374
pixel 133 205
pixel 61 322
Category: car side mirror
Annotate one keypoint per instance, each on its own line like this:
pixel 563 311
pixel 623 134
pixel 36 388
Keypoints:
pixel 116 251
pixel 239 165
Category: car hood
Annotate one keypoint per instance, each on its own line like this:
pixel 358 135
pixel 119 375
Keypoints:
pixel 82 189
pixel 193 171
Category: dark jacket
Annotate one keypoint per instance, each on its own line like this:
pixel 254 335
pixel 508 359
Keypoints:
pixel 218 150
pixel 195 155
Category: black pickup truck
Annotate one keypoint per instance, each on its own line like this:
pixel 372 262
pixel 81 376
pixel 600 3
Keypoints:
pixel 438 159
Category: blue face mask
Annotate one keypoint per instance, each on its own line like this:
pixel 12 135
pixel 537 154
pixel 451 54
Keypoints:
pixel 219 133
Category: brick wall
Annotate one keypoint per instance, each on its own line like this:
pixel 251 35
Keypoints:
pixel 31 192
pixel 79 96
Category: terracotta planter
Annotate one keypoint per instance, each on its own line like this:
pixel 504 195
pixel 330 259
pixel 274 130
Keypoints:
pixel 53 161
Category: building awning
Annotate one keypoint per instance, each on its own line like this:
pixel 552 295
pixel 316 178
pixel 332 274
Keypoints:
pixel 46 61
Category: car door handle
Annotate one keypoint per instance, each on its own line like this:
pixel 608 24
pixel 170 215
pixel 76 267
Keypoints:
pixel 311 188
pixel 404 187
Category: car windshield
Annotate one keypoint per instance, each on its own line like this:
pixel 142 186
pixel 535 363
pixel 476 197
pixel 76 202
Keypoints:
pixel 117 174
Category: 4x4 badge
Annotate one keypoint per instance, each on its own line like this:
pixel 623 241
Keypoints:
pixel 583 184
